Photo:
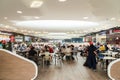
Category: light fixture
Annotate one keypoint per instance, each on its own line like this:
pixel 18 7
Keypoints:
pixel 19 12
pixel 7 26
pixel 5 18
pixel 22 30
pixel 85 17
pixel 112 19
pixel 36 17
pixel 62 0
pixel 29 31
pixel 36 4
pixel 36 32
pixel 1 24
pixel 117 38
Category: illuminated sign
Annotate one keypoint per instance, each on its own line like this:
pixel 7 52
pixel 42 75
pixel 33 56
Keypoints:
pixel 116 30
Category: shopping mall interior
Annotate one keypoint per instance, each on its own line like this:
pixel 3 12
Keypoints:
pixel 59 40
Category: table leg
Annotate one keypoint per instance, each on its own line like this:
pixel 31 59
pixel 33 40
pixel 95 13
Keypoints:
pixel 55 60
pixel 107 63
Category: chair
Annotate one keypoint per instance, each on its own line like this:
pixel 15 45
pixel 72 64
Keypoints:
pixel 68 57
pixel 114 70
pixel 58 59
pixel 47 59
pixel 117 55
pixel 100 59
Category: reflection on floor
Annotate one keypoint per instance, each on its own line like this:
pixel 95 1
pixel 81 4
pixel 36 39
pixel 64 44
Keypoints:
pixel 71 71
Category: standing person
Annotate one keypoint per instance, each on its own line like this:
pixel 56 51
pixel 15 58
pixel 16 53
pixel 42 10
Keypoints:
pixel 91 58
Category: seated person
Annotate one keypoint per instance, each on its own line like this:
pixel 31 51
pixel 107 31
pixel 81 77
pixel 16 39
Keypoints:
pixel 32 54
pixel 62 50
pixel 47 57
pixel 102 48
pixel 68 52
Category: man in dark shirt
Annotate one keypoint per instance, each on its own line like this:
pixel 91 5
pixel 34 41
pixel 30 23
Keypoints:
pixel 32 54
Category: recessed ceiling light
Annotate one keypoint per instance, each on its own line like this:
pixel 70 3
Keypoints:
pixel 85 17
pixel 36 4
pixel 36 17
pixel 62 0
pixel 112 19
pixel 7 26
pixel 19 12
pixel 5 18
pixel 29 31
pixel 1 24
pixel 36 32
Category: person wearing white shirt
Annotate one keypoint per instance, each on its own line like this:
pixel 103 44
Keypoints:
pixel 47 57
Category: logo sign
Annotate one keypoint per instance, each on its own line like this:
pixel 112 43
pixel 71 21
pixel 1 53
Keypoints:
pixel 116 31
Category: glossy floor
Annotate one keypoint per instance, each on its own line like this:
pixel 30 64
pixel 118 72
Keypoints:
pixel 15 68
pixel 71 71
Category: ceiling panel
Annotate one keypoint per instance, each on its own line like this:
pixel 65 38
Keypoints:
pixel 104 12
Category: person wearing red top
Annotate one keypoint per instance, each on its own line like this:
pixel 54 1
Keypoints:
pixel 51 50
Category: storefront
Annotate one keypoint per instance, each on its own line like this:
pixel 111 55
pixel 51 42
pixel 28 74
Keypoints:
pixel 19 38
pixel 67 40
pixel 87 38
pixel 5 36
pixel 77 40
pixel 101 37
pixel 113 36
pixel 27 39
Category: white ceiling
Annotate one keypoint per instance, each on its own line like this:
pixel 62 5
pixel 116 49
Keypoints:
pixel 59 17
